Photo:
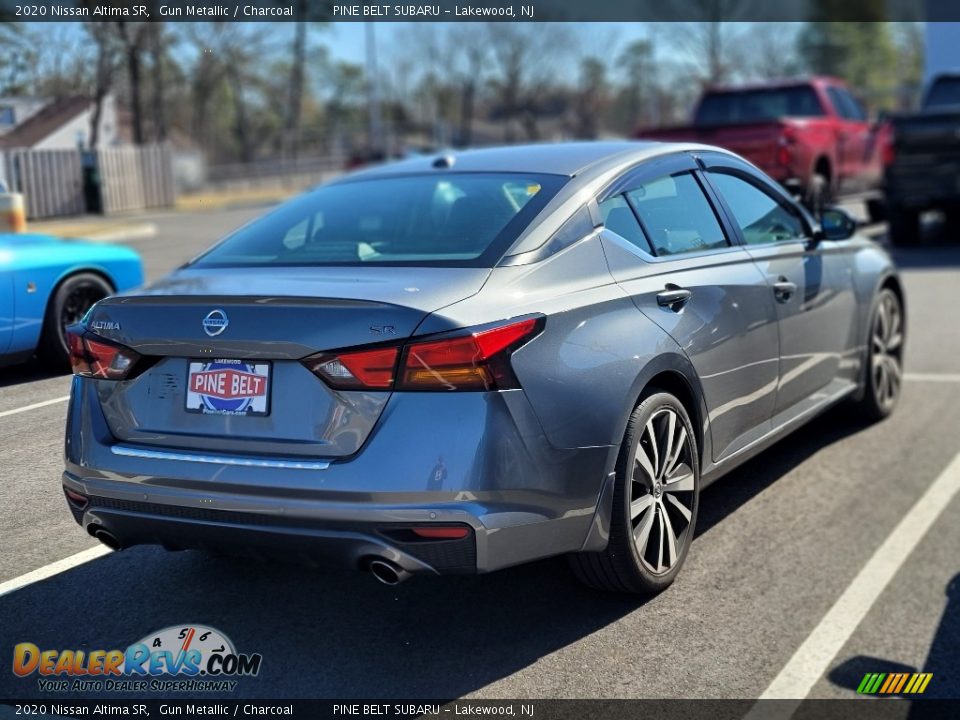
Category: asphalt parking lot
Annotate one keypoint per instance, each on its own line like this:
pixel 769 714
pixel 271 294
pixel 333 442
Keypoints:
pixel 782 544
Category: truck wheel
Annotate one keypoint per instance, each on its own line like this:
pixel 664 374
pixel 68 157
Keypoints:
pixel 904 226
pixel 876 210
pixel 818 195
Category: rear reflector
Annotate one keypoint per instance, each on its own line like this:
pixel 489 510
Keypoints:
pixel 441 533
pixel 97 359
pixel 476 361
pixel 76 498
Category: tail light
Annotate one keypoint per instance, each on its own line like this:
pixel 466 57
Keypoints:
pixel 889 152
pixel 785 146
pixel 476 361
pixel 356 370
pixel 94 358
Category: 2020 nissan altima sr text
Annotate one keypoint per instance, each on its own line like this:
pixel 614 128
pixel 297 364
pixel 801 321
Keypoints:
pixel 459 364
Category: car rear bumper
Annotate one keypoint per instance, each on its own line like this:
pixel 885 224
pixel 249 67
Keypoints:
pixel 474 460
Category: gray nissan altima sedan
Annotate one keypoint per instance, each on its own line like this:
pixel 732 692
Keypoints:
pixel 462 363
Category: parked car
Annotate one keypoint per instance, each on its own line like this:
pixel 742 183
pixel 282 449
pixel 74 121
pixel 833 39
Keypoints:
pixel 47 283
pixel 462 363
pixel 924 170
pixel 812 136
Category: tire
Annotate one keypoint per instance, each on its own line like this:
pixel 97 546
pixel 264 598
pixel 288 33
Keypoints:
pixel 638 558
pixel 884 360
pixel 70 301
pixel 904 226
pixel 818 195
pixel 876 210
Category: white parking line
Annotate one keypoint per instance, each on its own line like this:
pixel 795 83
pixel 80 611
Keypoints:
pixel 812 659
pixel 932 377
pixel 54 568
pixel 35 406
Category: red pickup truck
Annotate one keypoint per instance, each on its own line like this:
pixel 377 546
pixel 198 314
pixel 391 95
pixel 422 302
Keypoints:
pixel 809 134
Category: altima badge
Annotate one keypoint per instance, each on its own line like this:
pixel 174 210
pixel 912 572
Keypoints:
pixel 215 322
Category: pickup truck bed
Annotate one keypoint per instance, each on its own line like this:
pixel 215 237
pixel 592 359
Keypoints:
pixel 924 172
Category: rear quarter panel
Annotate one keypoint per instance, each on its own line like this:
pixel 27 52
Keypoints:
pixel 583 373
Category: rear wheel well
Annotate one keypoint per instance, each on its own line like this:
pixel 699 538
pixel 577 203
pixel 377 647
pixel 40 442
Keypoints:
pixel 822 167
pixel 81 271
pixel 678 386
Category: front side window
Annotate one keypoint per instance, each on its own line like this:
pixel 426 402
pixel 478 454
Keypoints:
pixel 760 218
pixel 466 219
pixel 677 216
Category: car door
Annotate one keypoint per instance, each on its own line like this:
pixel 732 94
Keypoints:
pixel 668 249
pixel 812 284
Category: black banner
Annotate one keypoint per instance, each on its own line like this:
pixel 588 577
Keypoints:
pixel 479 10
pixel 859 709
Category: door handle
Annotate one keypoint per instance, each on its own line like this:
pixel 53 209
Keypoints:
pixel 783 289
pixel 673 297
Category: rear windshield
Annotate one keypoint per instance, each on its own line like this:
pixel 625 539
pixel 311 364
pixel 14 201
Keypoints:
pixel 465 220
pixel 748 106
pixel 945 92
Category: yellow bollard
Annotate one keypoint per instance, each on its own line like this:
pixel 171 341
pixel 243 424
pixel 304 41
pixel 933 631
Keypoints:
pixel 13 217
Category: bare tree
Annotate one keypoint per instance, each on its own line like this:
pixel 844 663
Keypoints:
pixel 525 56
pixel 133 36
pixel 103 38
pixel 158 60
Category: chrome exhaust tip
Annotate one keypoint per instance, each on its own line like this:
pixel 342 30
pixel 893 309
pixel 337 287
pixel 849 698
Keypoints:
pixel 107 538
pixel 387 572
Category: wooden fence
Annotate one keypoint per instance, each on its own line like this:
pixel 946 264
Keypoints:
pixel 135 178
pixel 72 182
pixel 51 181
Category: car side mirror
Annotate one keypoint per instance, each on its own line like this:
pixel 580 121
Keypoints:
pixel 835 224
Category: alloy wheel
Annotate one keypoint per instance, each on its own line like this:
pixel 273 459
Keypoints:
pixel 662 491
pixel 885 346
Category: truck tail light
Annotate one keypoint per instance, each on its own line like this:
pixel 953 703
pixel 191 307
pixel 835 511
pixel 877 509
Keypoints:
pixel 889 152
pixel 478 361
pixel 785 146
pixel 94 358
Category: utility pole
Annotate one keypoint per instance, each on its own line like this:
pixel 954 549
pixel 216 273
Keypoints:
pixel 373 93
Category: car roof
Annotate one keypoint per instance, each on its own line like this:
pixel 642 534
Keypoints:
pixel 567 158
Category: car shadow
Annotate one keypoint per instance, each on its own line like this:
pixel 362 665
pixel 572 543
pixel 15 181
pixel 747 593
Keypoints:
pixel 342 634
pixel 27 372
pixel 943 657
pixel 754 476
pixel 339 635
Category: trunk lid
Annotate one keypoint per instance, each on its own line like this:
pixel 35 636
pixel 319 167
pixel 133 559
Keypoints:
pixel 273 318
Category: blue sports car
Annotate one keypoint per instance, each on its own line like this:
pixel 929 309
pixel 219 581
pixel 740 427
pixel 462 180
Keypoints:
pixel 47 284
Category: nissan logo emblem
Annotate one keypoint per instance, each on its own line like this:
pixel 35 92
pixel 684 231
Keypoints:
pixel 215 322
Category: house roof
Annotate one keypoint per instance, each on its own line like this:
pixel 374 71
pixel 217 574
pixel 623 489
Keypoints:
pixel 44 122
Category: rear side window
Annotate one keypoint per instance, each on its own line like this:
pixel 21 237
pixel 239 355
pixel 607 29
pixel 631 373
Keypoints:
pixel 846 104
pixel 619 218
pixel 466 219
pixel 761 218
pixel 761 105
pixel 677 216
pixel 945 92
